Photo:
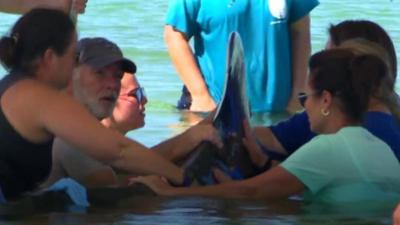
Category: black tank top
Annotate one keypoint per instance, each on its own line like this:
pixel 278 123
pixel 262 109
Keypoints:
pixel 23 164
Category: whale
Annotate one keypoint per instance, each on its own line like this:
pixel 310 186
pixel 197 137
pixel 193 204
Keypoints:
pixel 233 109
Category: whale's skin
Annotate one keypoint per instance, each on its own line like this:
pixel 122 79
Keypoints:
pixel 228 120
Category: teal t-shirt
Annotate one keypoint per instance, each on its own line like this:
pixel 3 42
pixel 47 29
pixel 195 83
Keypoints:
pixel 264 27
pixel 350 165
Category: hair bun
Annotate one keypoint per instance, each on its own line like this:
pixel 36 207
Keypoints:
pixel 7 46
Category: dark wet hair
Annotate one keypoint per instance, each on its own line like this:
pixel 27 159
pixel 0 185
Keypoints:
pixel 34 33
pixel 368 30
pixel 350 78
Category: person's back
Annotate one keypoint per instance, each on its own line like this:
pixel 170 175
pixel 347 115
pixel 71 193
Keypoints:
pixel 22 162
pixel 350 165
pixel 386 127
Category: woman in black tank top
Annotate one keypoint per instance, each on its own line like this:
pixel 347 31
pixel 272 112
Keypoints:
pixel 25 160
pixel 40 54
pixel 22 163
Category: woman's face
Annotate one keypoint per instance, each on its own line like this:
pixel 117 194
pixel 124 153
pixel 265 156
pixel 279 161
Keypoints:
pixel 65 64
pixel 129 111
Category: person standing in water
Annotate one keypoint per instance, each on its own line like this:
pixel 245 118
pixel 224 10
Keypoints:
pixel 276 41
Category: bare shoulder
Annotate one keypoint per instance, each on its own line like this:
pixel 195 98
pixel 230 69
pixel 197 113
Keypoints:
pixel 23 104
pixel 31 91
pixel 31 101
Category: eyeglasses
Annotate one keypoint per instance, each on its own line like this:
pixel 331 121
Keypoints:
pixel 137 93
pixel 302 96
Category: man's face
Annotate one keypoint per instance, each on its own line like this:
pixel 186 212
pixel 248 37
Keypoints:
pixel 97 90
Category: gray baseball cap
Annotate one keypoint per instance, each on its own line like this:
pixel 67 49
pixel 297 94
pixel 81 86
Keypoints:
pixel 100 52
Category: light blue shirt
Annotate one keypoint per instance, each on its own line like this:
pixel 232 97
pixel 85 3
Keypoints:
pixel 348 166
pixel 265 30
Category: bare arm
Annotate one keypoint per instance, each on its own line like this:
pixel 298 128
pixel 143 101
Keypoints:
pixel 22 6
pixel 179 146
pixel 70 162
pixel 301 48
pixel 110 147
pixel 188 70
pixel 81 167
pixel 42 111
pixel 396 216
pixel 265 136
pixel 268 139
pixel 168 147
pixel 274 184
pixel 56 171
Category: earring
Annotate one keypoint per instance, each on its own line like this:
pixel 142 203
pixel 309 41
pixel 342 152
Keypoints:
pixel 325 112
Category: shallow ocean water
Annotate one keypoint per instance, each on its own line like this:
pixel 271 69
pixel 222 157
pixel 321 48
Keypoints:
pixel 137 26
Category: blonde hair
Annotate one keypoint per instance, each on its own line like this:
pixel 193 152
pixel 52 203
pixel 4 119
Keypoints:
pixel 385 91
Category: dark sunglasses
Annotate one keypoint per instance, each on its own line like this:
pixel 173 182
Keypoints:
pixel 302 96
pixel 137 93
